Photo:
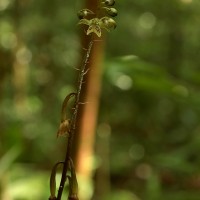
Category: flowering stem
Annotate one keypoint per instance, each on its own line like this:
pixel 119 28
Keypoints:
pixel 72 127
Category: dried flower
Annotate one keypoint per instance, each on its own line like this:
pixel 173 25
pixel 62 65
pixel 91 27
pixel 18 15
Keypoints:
pixel 63 128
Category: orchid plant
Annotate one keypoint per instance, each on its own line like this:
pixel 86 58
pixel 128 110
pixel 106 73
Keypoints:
pixel 67 126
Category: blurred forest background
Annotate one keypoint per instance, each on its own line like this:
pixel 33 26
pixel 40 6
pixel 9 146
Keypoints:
pixel 148 132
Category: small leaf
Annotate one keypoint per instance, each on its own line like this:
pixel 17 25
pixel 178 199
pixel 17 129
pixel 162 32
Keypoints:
pixel 73 184
pixel 53 181
pixel 64 106
pixel 64 123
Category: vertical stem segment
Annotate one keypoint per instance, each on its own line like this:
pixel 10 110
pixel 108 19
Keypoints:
pixel 73 123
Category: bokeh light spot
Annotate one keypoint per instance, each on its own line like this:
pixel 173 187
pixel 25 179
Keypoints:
pixel 8 40
pixel 124 82
pixel 147 20
pixel 136 152
pixel 186 1
pixel 181 90
pixel 4 4
pixel 104 130
pixel 24 55
pixel 143 171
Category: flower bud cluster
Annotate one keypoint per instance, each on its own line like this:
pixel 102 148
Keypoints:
pixel 96 24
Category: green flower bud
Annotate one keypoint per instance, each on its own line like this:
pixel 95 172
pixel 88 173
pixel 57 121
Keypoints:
pixel 108 23
pixel 108 2
pixel 110 11
pixel 84 13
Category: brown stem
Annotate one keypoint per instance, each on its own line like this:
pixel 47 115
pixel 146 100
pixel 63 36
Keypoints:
pixel 74 120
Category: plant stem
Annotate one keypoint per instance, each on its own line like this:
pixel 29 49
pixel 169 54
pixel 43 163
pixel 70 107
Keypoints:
pixel 72 128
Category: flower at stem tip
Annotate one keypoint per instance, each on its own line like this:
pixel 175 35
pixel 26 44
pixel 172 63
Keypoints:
pixel 96 24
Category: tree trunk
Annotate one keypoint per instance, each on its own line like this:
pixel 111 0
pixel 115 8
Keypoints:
pixel 86 128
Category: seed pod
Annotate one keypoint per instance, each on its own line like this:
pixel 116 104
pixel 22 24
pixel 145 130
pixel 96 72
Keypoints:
pixel 84 13
pixel 108 2
pixel 110 11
